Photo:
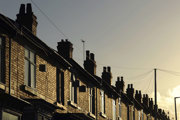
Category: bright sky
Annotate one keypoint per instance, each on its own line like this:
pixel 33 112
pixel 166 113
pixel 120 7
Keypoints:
pixel 133 37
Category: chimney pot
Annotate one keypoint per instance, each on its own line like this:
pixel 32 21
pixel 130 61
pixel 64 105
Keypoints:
pixel 118 78
pixel 92 56
pixel 136 91
pixel 109 69
pixel 104 69
pixel 131 85
pixel 22 9
pixel 66 40
pixel 29 8
pixel 87 54
pixel 121 78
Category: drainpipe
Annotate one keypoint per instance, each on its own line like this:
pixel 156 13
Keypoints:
pixel 10 42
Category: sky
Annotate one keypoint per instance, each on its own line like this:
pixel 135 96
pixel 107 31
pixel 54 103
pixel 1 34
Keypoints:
pixel 131 36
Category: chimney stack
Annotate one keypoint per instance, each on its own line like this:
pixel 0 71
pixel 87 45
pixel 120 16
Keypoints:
pixel 146 100
pixel 90 63
pixel 120 85
pixel 138 96
pixel 65 48
pixel 151 106
pixel 130 91
pixel 26 18
pixel 107 75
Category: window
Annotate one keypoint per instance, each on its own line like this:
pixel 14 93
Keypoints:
pixel 119 104
pixel 103 108
pixel 9 116
pixel 142 114
pixel 130 112
pixel 92 100
pixel 60 87
pixel 73 89
pixel 30 67
pixel 133 109
pixel 114 109
pixel 2 56
pixel 139 115
pixel 41 117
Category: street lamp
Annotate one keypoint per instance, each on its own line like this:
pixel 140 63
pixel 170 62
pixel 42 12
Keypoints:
pixel 175 107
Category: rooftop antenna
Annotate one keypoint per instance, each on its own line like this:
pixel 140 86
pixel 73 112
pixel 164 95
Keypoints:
pixel 83 41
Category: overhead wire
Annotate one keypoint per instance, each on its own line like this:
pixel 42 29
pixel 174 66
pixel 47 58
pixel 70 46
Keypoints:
pixel 52 22
pixel 49 19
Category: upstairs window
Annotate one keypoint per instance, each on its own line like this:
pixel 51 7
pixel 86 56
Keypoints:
pixel 73 89
pixel 60 87
pixel 30 68
pixel 92 100
pixel 133 109
pixel 130 112
pixel 142 115
pixel 114 109
pixel 2 58
pixel 9 116
pixel 120 109
pixel 42 117
pixel 139 115
pixel 103 103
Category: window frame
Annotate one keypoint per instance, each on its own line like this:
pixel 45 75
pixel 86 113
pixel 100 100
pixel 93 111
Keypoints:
pixel 10 112
pixel 113 109
pixel 120 108
pixel 142 115
pixel 60 86
pixel 44 117
pixel 2 59
pixel 28 81
pixel 139 115
pixel 103 103
pixel 73 89
pixel 92 100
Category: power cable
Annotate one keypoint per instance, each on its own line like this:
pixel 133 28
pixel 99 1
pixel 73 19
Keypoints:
pixel 49 19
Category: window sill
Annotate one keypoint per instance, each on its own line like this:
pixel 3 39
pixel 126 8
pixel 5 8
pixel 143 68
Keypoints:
pixel 92 115
pixel 103 115
pixel 73 104
pixel 60 106
pixel 2 86
pixel 29 90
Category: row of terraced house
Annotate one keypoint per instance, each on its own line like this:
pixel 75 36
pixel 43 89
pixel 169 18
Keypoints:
pixel 40 83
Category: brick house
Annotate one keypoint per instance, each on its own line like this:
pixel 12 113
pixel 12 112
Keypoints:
pixel 40 83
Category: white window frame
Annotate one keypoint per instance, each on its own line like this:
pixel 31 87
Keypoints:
pixel 120 107
pixel 72 89
pixel 114 109
pixel 91 91
pixel 139 115
pixel 103 102
pixel 30 76
pixel 142 115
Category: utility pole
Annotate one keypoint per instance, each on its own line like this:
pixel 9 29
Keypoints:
pixel 175 107
pixel 83 49
pixel 155 93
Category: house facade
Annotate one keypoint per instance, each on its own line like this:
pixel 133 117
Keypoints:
pixel 40 83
